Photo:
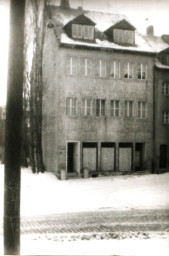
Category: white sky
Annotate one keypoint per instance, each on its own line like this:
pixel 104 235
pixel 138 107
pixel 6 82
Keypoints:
pixel 156 11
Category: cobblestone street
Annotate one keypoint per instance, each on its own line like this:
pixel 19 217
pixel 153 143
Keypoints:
pixel 97 221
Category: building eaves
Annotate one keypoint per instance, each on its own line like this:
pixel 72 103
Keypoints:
pixel 159 65
pixel 102 44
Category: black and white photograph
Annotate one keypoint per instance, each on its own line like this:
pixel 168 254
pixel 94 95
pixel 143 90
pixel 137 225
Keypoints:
pixel 84 127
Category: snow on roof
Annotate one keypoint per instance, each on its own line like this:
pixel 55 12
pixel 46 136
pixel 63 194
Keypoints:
pixel 156 43
pixel 159 65
pixel 140 47
pixel 104 21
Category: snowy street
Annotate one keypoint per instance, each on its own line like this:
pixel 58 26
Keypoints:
pixel 121 215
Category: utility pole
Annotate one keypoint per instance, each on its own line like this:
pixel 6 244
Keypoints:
pixel 13 130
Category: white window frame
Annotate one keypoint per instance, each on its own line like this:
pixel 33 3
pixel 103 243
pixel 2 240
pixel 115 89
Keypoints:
pixel 115 108
pixel 128 103
pixel 141 70
pixel 88 67
pixel 115 69
pixel 142 109
pixel 71 106
pixel 100 107
pixel 87 104
pixel 72 66
pixel 101 68
pixel 129 70
pixel 166 117
pixel 165 88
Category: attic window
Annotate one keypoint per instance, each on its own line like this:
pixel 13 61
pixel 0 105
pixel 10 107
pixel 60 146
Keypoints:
pixel 124 36
pixel 82 31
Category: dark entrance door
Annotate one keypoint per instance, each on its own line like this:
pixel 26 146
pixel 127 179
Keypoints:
pixel 139 156
pixel 70 162
pixel 163 156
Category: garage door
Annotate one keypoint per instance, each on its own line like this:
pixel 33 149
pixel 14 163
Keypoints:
pixel 89 158
pixel 125 158
pixel 107 159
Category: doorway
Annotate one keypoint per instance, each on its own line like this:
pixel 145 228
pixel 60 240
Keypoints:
pixel 163 156
pixel 73 161
pixel 139 153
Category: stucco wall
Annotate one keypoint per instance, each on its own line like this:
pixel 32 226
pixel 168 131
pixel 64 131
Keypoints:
pixel 59 128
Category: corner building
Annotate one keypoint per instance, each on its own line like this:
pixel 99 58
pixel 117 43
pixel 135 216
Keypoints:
pixel 98 94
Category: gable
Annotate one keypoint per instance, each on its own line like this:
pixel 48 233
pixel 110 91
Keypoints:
pixel 123 24
pixel 81 28
pixel 80 19
pixel 121 33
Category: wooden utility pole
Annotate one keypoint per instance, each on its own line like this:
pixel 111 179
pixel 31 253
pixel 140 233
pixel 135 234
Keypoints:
pixel 13 130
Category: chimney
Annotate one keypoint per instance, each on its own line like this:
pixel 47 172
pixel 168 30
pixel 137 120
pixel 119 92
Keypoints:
pixel 150 31
pixel 65 4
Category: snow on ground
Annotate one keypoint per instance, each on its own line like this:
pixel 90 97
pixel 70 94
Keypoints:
pixel 128 247
pixel 45 194
pixel 154 247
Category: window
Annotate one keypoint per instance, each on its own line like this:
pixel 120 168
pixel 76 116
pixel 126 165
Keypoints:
pixel 101 68
pixel 72 66
pixel 115 108
pixel 128 70
pixel 70 106
pixel 100 107
pixel 87 107
pixel 141 109
pixel 142 72
pixel 82 31
pixel 115 69
pixel 76 31
pixel 165 89
pixel 128 108
pixel 86 67
pixel 124 36
pixel 166 117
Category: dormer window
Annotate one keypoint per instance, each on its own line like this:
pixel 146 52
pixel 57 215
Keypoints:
pixel 123 36
pixel 82 32
pixel 121 33
pixel 81 28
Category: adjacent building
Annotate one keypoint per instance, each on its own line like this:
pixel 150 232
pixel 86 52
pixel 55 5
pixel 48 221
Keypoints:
pixel 103 95
pixel 161 111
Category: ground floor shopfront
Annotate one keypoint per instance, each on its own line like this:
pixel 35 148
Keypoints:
pixel 105 157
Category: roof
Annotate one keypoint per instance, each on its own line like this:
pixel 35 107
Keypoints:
pixel 104 21
pixel 156 43
pixel 160 66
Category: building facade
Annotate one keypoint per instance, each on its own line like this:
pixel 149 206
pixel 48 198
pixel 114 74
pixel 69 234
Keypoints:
pixel 98 95
pixel 161 111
